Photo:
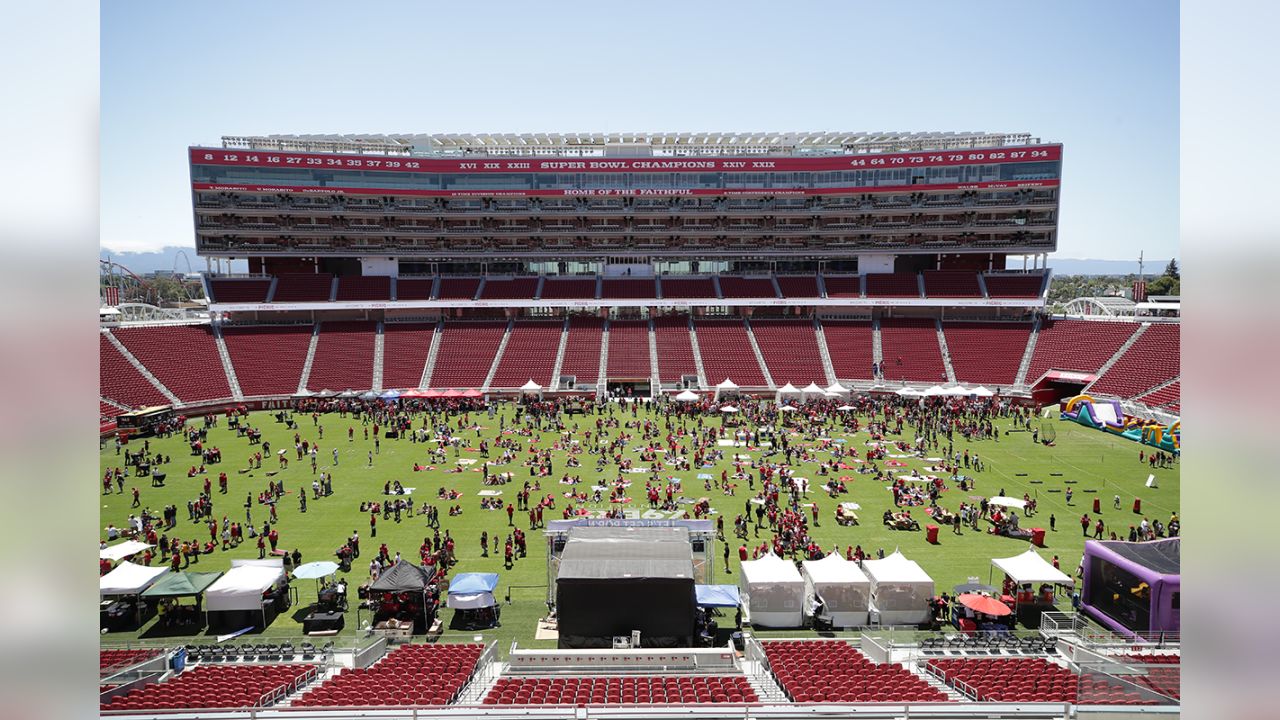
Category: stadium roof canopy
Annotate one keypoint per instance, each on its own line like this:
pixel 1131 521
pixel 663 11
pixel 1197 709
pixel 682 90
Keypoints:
pixel 630 143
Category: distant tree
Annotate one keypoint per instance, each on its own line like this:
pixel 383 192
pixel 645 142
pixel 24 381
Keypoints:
pixel 1171 270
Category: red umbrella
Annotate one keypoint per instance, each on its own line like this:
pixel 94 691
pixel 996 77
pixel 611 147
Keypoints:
pixel 984 604
pixel 451 394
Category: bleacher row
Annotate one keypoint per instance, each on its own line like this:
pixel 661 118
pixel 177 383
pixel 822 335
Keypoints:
pixel 807 671
pixel 323 287
pixel 269 360
pixel 1030 680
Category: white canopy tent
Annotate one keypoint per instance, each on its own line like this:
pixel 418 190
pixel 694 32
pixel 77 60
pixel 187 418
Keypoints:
pixel 129 579
pixel 687 396
pixel 981 391
pixel 531 388
pixel 1029 567
pixel 813 391
pixel 772 592
pixel 900 590
pixel 934 391
pixel 728 387
pixel 909 392
pixel 837 389
pixel 1009 502
pixel 956 391
pixel 843 587
pixel 789 389
pixel 728 409
pixel 122 550
pixel 241 588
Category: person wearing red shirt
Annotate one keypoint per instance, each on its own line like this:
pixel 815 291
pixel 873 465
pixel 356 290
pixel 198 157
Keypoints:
pixel 511 513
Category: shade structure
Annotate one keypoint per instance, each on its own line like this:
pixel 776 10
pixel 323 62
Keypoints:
pixel 369 395
pixel 390 395
pixel 900 590
pixel 813 389
pixel 451 393
pixel 531 386
pixel 348 394
pixel 317 569
pixel 935 391
pixel 472 393
pixel 1004 501
pixel 984 604
pixel 788 389
pixel 122 550
pixel 687 396
pixel 727 385
pixel 304 393
pixel 242 586
pixel 956 391
pixel 789 408
pixel 469 591
pixel 843 587
pixel 981 391
pixel 326 393
pixel 404 576
pixel 1029 567
pixel 183 584
pixel 909 392
pixel 837 389
pixel 413 393
pixel 129 579
pixel 717 595
pixel 846 408
pixel 728 409
pixel 772 592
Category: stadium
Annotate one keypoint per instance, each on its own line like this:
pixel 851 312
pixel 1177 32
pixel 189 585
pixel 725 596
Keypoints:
pixel 682 374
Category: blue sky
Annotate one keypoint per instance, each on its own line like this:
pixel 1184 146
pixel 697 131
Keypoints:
pixel 1100 77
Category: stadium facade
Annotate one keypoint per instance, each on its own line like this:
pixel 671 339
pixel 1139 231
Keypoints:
pixel 574 204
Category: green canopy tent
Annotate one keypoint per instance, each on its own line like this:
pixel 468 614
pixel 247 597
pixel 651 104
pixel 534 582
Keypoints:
pixel 187 584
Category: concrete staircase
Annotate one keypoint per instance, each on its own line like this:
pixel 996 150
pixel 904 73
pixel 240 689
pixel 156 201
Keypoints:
pixel 227 367
pixel 877 348
pixel 555 371
pixel 655 378
pixel 1020 380
pixel 761 680
pixel 697 353
pixel 825 353
pixel 434 351
pixel 602 375
pixel 946 353
pixel 497 357
pixel 142 368
pixel 311 356
pixel 378 354
pixel 755 348
pixel 952 694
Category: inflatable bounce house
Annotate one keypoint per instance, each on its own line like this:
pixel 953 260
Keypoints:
pixel 1108 416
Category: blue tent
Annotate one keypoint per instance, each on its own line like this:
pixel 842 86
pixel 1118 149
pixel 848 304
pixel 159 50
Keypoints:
pixel 473 590
pixel 717 595
pixel 390 395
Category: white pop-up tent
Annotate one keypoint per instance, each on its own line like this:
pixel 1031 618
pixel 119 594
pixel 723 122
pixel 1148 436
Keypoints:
pixel 1030 568
pixel 837 389
pixel 813 391
pixel 687 396
pixel 531 388
pixel 956 391
pixel 122 550
pixel 772 592
pixel 935 391
pixel 843 587
pixel 900 590
pixel 981 391
pixel 788 389
pixel 728 387
pixel 908 392
pixel 241 588
pixel 129 579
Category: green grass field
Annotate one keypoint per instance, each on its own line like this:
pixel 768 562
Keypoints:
pixel 1095 460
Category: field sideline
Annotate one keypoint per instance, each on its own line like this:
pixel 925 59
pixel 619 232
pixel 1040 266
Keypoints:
pixel 1097 462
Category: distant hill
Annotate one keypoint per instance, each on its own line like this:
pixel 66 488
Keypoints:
pixel 167 259
pixel 1069 266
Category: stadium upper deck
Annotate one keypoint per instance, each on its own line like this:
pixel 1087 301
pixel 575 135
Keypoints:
pixel 903 201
